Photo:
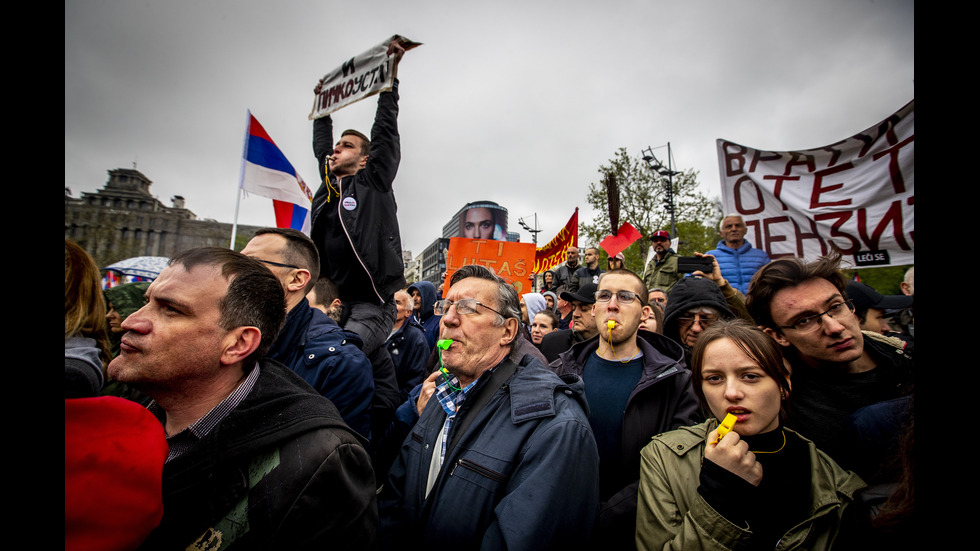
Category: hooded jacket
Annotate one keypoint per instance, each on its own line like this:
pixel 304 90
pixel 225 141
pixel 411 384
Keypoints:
pixel 688 294
pixel 662 400
pixel 673 515
pixel 366 206
pixel 330 360
pixel 739 265
pixel 522 476
pixel 427 318
pixel 281 471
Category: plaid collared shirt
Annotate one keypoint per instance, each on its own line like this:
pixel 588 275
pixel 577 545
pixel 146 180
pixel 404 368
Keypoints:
pixel 451 398
pixel 187 438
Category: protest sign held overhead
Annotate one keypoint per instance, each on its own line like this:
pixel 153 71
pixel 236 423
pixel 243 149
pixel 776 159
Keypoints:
pixel 857 193
pixel 361 76
pixel 510 260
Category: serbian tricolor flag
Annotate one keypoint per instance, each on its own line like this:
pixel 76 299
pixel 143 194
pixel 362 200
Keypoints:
pixel 267 172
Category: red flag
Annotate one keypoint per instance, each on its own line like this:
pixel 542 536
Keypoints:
pixel 554 253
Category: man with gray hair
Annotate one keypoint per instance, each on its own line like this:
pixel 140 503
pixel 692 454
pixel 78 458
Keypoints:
pixel 503 457
pixel 738 260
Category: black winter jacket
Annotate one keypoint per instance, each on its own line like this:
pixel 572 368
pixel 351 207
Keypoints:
pixel 662 400
pixel 281 471
pixel 367 203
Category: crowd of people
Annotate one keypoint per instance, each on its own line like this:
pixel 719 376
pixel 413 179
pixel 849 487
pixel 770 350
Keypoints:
pixel 300 394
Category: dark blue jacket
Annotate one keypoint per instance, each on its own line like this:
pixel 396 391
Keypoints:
pixel 409 351
pixel 330 360
pixel 739 265
pixel 523 475
pixel 427 318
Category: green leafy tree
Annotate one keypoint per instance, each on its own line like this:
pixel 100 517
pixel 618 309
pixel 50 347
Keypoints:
pixel 641 203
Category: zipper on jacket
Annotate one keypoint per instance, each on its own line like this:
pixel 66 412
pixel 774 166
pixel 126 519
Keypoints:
pixel 478 469
pixel 340 216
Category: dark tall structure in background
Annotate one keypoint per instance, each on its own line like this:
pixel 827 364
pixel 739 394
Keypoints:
pixel 123 220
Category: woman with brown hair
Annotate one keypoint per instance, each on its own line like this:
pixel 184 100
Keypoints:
pixel 756 486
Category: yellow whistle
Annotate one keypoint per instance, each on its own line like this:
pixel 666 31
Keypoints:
pixel 725 427
pixel 611 324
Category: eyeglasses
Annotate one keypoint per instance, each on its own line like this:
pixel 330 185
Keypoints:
pixel 271 263
pixel 838 310
pixel 464 307
pixel 606 295
pixel 704 320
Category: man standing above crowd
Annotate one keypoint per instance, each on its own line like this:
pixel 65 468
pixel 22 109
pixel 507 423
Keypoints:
pixel 836 368
pixel 661 271
pixel 583 323
pixel 590 272
pixel 636 389
pixel 565 274
pixel 502 456
pixel 736 257
pixel 311 343
pixel 257 460
pixel 355 222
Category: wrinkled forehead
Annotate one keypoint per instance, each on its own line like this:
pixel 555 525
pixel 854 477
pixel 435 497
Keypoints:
pixel 729 220
pixel 473 287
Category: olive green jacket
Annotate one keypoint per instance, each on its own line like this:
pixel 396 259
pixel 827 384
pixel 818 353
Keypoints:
pixel 671 514
pixel 664 274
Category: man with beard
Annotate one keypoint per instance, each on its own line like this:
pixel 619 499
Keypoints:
pixel 661 271
pixel 636 388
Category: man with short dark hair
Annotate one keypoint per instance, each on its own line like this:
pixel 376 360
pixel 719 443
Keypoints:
pixel 837 368
pixel 257 458
pixel 311 343
pixel 564 274
pixel 590 272
pixel 325 297
pixel 661 271
pixel 736 257
pixel 502 456
pixel 355 222
pixel 582 327
pixel 636 388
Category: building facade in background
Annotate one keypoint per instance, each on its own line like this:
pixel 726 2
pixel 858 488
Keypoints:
pixel 124 219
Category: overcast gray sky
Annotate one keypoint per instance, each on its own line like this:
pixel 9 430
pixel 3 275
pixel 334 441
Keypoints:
pixel 513 101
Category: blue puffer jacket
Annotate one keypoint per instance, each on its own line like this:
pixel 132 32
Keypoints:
pixel 523 475
pixel 427 318
pixel 330 360
pixel 739 265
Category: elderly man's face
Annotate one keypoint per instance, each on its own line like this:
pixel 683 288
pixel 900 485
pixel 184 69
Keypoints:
pixel 733 230
pixel 572 255
pixel 694 322
pixel 479 341
pixel 176 337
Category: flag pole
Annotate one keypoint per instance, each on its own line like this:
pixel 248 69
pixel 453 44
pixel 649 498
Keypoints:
pixel 241 178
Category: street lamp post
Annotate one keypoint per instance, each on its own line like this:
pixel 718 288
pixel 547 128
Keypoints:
pixel 655 165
